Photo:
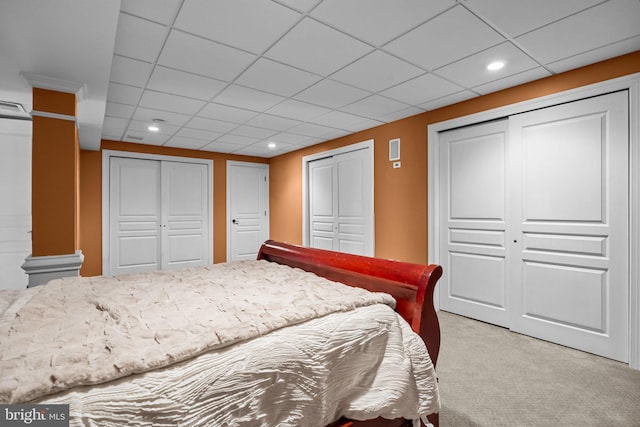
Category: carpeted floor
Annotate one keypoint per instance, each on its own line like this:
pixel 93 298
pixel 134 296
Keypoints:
pixel 490 376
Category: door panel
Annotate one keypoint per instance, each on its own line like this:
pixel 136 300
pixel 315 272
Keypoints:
pixel 185 224
pixel 135 217
pixel 570 234
pixel 322 204
pixel 473 238
pixel 248 199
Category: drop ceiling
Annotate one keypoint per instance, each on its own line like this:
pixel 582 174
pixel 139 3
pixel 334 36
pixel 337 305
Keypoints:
pixel 234 76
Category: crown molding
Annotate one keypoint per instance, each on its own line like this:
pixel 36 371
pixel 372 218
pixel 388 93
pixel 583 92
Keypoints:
pixel 51 83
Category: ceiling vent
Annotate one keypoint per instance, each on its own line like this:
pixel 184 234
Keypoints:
pixel 13 110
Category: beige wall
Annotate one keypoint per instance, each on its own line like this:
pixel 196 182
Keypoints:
pixel 401 194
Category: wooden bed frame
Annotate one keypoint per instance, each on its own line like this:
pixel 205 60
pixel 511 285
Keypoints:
pixel 412 285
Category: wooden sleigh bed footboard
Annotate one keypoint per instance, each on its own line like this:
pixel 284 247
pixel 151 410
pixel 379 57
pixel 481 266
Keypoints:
pixel 412 286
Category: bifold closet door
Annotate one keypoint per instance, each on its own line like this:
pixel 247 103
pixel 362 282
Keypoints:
pixel 570 235
pixel 157 215
pixel 341 203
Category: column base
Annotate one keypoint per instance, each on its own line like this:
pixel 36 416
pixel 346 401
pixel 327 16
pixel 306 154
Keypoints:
pixel 44 268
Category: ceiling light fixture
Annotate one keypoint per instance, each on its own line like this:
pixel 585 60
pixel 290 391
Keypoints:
pixel 495 65
pixel 271 145
pixel 154 127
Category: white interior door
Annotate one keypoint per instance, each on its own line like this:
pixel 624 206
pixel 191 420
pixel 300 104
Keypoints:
pixel 473 222
pixel 135 215
pixel 341 203
pixel 570 229
pixel 185 225
pixel 247 209
pixel 15 201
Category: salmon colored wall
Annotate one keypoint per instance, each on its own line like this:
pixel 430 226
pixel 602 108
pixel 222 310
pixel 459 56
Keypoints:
pixel 55 162
pixel 400 195
pixel 91 201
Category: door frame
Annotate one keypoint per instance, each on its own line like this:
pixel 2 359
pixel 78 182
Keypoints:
pixel 264 166
pixel 630 83
pixel 305 184
pixel 106 170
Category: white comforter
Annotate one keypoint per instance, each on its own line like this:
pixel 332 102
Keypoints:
pixel 72 333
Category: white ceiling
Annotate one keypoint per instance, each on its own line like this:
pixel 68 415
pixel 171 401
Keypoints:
pixel 232 76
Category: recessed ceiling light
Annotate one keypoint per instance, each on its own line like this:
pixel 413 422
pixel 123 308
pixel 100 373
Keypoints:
pixel 495 65
pixel 271 145
pixel 153 128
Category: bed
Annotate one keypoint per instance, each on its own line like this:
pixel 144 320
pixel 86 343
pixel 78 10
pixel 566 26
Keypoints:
pixel 174 347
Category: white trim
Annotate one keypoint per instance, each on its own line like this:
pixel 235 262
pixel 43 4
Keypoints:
pixel 264 166
pixel 49 115
pixel 630 83
pixel 305 183
pixel 51 83
pixel 106 157
pixel 41 269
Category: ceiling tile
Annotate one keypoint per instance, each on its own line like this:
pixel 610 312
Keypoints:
pixel 596 55
pixel 149 114
pixel 273 77
pixel 188 143
pixel 374 107
pixel 161 11
pixel 123 94
pixel 226 113
pixel 201 134
pixel 145 138
pixel 516 17
pixel 331 94
pixel 513 80
pixel 130 71
pixel 377 71
pixel 400 114
pixel 237 140
pixel 239 96
pixel 114 126
pixel 342 120
pixel 253 132
pixel 297 110
pixel 378 21
pixel 245 24
pixel 138 38
pixel 269 121
pixel 290 138
pixel 115 109
pixel 472 71
pixel 300 5
pixel 211 125
pixel 200 56
pixel 421 89
pixel 220 147
pixel 167 102
pixel 594 28
pixel 317 48
pixel 140 127
pixel 448 100
pixel 310 129
pixel 447 38
pixel 185 84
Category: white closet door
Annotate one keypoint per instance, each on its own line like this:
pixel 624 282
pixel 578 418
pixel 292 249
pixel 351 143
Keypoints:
pixel 15 202
pixel 135 215
pixel 354 220
pixel 158 215
pixel 473 221
pixel 341 203
pixel 322 204
pixel 185 226
pixel 570 237
pixel 248 209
